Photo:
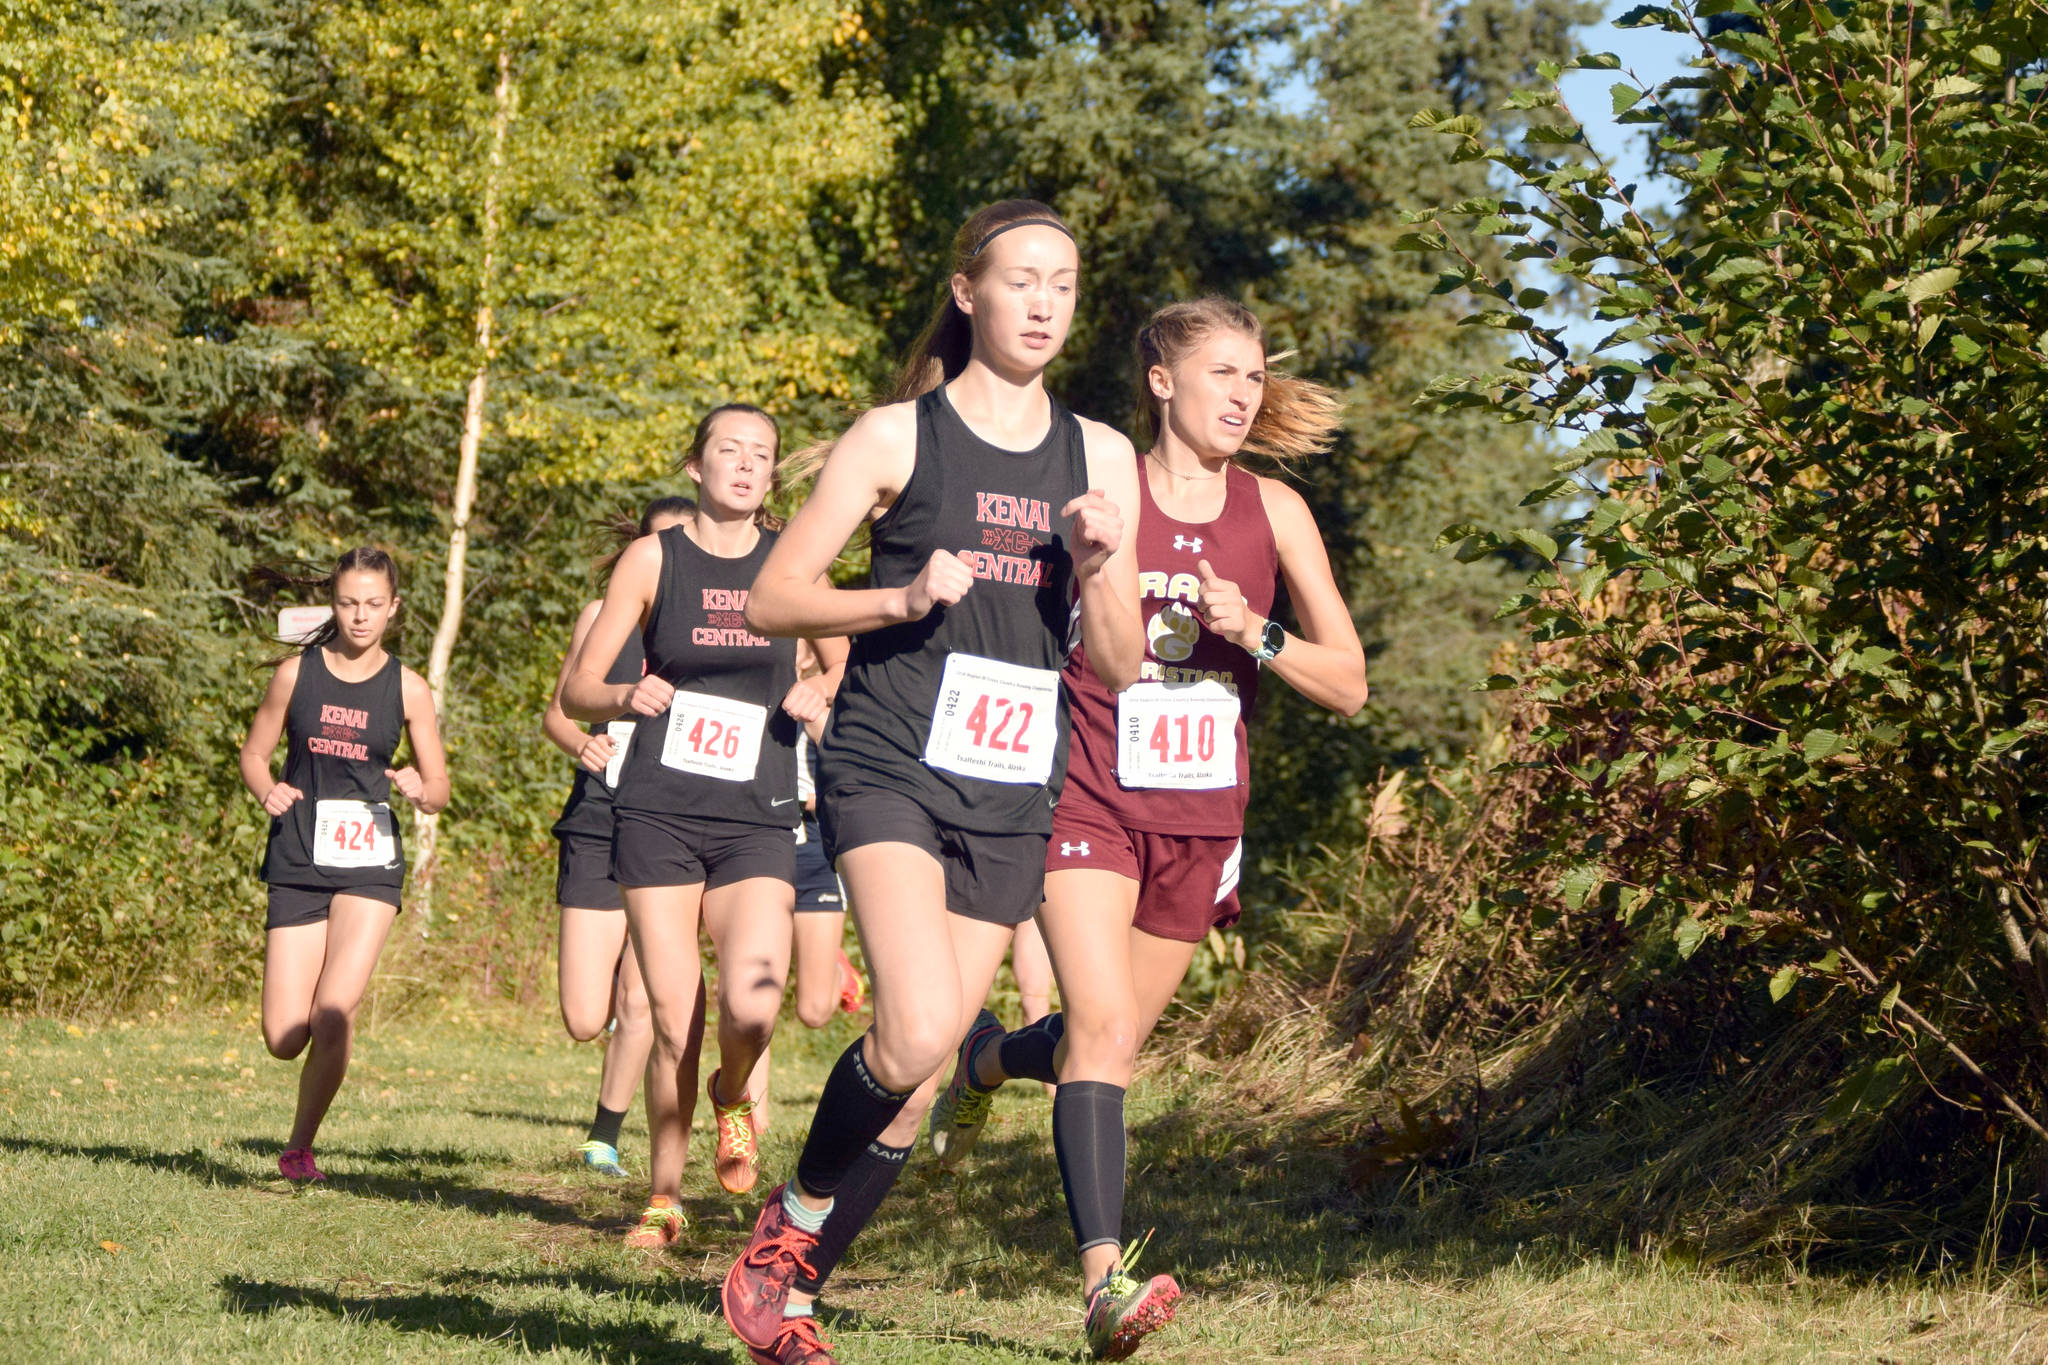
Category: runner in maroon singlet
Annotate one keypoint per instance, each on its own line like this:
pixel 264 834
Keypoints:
pixel 1148 838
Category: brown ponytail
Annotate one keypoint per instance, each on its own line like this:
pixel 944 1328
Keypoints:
pixel 621 530
pixel 1297 417
pixel 943 348
pixel 364 557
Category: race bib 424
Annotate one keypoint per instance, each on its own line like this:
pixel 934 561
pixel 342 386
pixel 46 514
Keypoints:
pixel 354 834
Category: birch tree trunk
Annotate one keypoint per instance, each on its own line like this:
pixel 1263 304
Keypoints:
pixel 426 828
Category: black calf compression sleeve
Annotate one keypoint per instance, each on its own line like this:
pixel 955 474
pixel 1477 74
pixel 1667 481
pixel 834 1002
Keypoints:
pixel 861 1191
pixel 852 1112
pixel 1027 1054
pixel 1088 1137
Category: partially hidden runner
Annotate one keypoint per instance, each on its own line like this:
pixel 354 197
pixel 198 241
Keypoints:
pixel 597 975
pixel 1149 838
pixel 826 982
pixel 335 861
pixel 704 817
pixel 994 513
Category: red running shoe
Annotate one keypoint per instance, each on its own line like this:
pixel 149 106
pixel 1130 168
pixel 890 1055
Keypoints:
pixel 853 992
pixel 758 1284
pixel 798 1343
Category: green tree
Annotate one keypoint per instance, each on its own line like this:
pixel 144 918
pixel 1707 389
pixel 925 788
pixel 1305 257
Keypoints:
pixel 93 103
pixel 559 212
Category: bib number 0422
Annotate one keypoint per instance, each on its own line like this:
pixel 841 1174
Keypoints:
pixel 994 720
pixel 1177 735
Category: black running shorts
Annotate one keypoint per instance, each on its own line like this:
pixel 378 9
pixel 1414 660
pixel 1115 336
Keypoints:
pixel 291 906
pixel 995 878
pixel 817 885
pixel 652 849
pixel 583 874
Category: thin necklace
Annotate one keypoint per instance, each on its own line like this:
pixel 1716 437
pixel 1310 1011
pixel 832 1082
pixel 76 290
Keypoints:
pixel 1153 456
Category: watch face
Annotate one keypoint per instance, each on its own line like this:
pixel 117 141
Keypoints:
pixel 1273 637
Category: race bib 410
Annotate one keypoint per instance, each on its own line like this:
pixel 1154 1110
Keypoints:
pixel 354 834
pixel 714 736
pixel 1180 736
pixel 996 721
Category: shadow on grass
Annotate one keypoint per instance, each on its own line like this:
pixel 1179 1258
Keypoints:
pixel 457 1314
pixel 419 1186
pixel 562 1121
pixel 1224 1208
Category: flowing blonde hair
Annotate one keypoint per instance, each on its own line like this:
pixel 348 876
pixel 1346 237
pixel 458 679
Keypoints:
pixel 1298 418
pixel 944 347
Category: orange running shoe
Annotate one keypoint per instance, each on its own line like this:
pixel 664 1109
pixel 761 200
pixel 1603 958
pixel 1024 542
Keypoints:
pixel 661 1222
pixel 853 992
pixel 736 1157
pixel 757 1286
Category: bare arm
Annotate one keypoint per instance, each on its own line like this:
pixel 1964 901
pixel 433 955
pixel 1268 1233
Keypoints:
pixel 1326 663
pixel 593 752
pixel 261 745
pixel 1105 566
pixel 584 693
pixel 866 470
pixel 424 781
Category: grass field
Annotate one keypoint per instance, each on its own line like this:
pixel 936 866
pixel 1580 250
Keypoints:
pixel 141 1218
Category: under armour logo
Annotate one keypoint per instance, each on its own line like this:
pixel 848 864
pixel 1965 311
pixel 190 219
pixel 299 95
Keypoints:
pixel 1069 850
pixel 1192 544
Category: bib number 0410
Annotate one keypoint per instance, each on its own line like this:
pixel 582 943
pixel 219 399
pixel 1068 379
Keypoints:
pixel 996 721
pixel 1177 735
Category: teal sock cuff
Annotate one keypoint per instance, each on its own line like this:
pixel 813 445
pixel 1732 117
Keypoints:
pixel 810 1220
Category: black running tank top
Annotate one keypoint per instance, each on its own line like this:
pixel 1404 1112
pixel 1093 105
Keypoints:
pixel 953 710
pixel 339 738
pixel 589 810
pixel 725 749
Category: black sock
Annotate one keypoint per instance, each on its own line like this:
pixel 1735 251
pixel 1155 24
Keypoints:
pixel 1088 1137
pixel 861 1191
pixel 852 1112
pixel 1026 1055
pixel 605 1127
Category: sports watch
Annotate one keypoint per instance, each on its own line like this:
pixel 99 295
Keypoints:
pixel 1270 640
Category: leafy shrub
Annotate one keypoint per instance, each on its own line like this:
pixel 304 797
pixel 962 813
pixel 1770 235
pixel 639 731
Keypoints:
pixel 1746 939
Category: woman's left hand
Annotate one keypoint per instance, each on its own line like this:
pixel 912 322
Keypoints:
pixel 806 703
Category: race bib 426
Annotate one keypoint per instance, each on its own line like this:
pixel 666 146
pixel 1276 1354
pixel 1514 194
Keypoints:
pixel 714 736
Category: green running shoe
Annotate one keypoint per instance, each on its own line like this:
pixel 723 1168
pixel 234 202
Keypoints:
pixel 603 1158
pixel 1123 1311
pixel 962 1108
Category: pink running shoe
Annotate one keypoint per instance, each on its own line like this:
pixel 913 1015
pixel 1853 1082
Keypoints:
pixel 297 1165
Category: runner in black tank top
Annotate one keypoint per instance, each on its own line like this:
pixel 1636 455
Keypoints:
pixel 705 812
pixel 1148 840
pixel 994 510
pixel 598 976
pixel 335 861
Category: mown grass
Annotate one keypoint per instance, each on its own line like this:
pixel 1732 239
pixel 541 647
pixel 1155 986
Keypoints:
pixel 141 1218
